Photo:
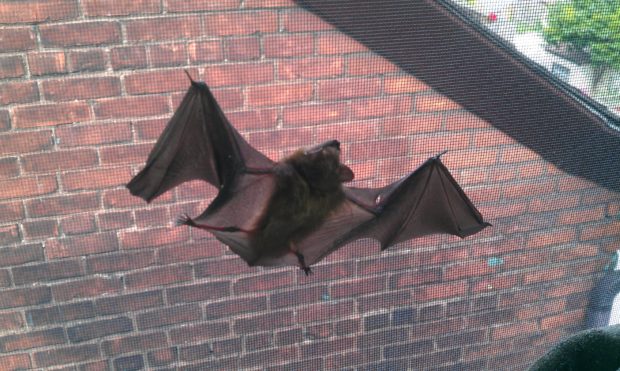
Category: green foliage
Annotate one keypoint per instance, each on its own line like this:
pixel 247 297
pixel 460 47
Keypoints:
pixel 589 25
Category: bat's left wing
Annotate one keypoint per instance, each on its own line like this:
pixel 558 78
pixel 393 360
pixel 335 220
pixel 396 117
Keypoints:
pixel 427 201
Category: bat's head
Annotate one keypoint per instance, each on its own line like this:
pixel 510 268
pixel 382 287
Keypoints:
pixel 320 166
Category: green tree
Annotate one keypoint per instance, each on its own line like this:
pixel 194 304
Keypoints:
pixel 592 26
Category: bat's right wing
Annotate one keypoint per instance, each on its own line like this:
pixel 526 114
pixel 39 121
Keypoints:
pixel 197 143
pixel 427 201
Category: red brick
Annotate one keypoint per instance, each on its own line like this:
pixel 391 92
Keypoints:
pixel 242 48
pixel 404 84
pixel 95 243
pixel 121 198
pixel 9 234
pixel 14 39
pixel 513 330
pixel 129 302
pixel 434 102
pixel 364 65
pixel 196 333
pixel 159 29
pixel 128 57
pixel 311 68
pixel 51 114
pixel 263 322
pixel 289 45
pixel 168 316
pixel 149 238
pixel 310 115
pixel 78 224
pixel 298 20
pixel 162 357
pixel 381 107
pixel 89 135
pixel 529 189
pixel 562 320
pixel 581 216
pixel 40 229
pixel 470 158
pixel 47 63
pixel 80 34
pixel 437 143
pixel 88 60
pixel 550 237
pixel 441 291
pixel 240 23
pixel 11 66
pixel 338 43
pixel 27 187
pixel 233 306
pixel 98 329
pixel 264 282
pixel 18 92
pixel 134 343
pixel 600 231
pixel 95 8
pixel 85 288
pixel 5 120
pixel 268 3
pixel 15 256
pixel 59 160
pixel 289 140
pixel 189 252
pixel 385 148
pixel 254 120
pixel 518 154
pixel 222 267
pixel 199 292
pixel 125 154
pixel 205 51
pixel 49 271
pixel 175 6
pixel 60 205
pixel 461 121
pixel 114 220
pixel 119 262
pixel 337 89
pixel 168 55
pixel 81 88
pixel 66 355
pixel 415 278
pixel 9 167
pixel 11 321
pixel 16 362
pixel 158 82
pixel 95 179
pixel 158 277
pixel 407 125
pixel 239 74
pixel 271 95
pixel 34 11
pixel 359 286
pixel 25 297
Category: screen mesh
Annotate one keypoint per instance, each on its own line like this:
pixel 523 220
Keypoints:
pixel 93 278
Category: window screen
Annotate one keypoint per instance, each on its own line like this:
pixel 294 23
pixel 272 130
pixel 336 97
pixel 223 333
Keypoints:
pixel 523 96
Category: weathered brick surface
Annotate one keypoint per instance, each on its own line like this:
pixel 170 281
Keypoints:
pixel 92 278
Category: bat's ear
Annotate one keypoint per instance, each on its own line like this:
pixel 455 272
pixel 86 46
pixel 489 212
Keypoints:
pixel 345 173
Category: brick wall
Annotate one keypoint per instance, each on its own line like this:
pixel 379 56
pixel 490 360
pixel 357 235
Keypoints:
pixel 92 278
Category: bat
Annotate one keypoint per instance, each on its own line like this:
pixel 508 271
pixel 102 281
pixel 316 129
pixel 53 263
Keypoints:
pixel 295 211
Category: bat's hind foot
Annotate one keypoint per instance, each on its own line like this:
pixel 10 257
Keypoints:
pixel 302 263
pixel 184 220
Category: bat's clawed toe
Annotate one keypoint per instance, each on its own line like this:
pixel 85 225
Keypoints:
pixel 184 219
pixel 307 270
pixel 302 263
